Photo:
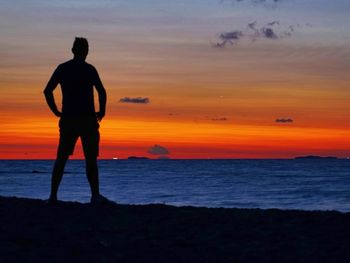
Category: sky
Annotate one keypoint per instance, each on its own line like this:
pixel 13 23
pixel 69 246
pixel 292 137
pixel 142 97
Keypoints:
pixel 196 78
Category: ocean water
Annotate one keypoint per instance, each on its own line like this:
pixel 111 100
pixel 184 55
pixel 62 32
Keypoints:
pixel 285 184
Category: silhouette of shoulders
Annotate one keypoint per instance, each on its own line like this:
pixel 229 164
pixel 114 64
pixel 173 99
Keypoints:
pixel 76 69
pixel 77 79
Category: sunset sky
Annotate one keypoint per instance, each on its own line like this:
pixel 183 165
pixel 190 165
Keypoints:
pixel 265 95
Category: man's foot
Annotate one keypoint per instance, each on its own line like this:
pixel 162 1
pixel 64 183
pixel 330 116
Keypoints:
pixel 51 201
pixel 99 199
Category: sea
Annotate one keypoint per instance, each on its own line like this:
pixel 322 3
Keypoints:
pixel 305 184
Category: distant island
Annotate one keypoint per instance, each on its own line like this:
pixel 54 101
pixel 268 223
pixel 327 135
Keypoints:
pixel 315 157
pixel 163 157
pixel 137 157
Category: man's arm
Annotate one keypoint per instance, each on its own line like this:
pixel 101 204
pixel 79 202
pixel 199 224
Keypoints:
pixel 48 92
pixel 102 97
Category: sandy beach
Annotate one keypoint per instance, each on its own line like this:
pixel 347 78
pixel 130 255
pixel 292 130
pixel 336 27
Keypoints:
pixel 32 231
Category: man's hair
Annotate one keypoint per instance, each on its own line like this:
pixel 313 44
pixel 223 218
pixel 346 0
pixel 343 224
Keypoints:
pixel 80 46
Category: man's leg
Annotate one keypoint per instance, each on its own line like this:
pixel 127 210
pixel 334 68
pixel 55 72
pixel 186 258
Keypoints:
pixel 92 175
pixel 68 138
pixel 90 138
pixel 57 175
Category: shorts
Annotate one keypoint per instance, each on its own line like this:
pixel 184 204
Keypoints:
pixel 71 128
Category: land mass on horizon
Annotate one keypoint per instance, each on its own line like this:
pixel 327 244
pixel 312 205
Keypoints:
pixel 137 158
pixel 315 157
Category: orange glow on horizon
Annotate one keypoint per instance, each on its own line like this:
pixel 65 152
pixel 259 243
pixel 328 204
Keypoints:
pixel 37 139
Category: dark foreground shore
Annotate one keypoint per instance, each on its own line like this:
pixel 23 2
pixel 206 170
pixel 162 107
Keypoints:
pixel 32 231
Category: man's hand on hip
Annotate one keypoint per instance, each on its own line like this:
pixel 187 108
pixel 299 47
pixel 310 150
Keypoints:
pixel 100 115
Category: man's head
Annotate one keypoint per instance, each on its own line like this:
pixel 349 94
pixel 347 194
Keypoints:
pixel 80 48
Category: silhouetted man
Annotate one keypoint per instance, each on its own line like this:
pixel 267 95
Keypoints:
pixel 78 117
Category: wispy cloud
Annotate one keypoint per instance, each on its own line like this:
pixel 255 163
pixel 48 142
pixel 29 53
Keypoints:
pixel 220 119
pixel 284 120
pixel 273 30
pixel 229 37
pixel 173 114
pixel 273 23
pixel 268 32
pixel 137 100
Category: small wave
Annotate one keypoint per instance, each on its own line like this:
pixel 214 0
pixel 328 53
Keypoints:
pixel 38 172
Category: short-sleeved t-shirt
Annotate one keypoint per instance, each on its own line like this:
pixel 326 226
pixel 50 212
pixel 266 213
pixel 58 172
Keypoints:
pixel 77 79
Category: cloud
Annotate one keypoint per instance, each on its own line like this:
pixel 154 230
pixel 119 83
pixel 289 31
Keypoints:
pixel 269 33
pixel 173 114
pixel 253 25
pixel 158 150
pixel 220 119
pixel 273 30
pixel 137 100
pixel 229 37
pixel 273 23
pixel 284 120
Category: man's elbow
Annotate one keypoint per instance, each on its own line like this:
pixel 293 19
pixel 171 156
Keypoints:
pixel 48 94
pixel 102 93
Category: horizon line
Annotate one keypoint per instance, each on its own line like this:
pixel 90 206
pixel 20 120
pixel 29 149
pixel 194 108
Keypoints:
pixel 152 159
